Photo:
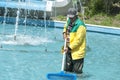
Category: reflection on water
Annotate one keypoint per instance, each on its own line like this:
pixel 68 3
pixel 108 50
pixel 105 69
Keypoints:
pixel 83 76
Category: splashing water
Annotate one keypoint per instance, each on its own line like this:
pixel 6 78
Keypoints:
pixel 25 40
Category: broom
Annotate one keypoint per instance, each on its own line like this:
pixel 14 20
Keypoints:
pixel 61 75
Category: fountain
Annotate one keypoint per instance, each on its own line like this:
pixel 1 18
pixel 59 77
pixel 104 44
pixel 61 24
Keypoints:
pixel 30 56
pixel 46 6
pixel 16 25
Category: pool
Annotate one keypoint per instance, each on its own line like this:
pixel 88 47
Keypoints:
pixel 26 57
pixel 102 59
pixel 36 52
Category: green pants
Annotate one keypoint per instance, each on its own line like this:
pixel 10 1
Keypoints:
pixel 74 66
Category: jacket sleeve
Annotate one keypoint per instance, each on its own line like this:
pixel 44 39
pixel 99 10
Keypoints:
pixel 79 38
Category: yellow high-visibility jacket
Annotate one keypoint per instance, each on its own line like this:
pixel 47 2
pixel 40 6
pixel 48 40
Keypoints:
pixel 77 39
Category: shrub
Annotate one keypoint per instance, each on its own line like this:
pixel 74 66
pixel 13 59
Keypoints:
pixel 117 17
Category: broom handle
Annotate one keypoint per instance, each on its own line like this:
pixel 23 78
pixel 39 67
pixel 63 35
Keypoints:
pixel 64 56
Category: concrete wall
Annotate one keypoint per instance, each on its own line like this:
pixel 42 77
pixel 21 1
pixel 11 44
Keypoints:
pixel 61 8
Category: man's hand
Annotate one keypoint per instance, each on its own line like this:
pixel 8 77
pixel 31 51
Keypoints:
pixel 67 49
pixel 64 35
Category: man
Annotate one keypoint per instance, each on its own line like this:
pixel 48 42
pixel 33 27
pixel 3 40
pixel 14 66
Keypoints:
pixel 75 34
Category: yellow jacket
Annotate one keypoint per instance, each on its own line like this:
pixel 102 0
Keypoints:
pixel 77 39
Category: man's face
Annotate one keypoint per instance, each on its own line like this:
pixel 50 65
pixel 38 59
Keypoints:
pixel 72 19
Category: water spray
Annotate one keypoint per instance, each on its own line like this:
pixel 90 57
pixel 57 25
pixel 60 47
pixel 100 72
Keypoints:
pixel 16 25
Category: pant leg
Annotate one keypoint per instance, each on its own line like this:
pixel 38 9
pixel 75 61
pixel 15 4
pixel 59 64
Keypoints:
pixel 68 62
pixel 78 66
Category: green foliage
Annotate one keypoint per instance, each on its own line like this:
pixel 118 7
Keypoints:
pixel 99 6
pixel 95 7
pixel 80 16
pixel 117 17
pixel 105 20
pixel 61 18
pixel 98 12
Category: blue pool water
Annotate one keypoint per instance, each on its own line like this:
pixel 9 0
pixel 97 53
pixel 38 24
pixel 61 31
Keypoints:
pixel 26 59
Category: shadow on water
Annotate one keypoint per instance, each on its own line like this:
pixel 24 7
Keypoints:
pixel 88 49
